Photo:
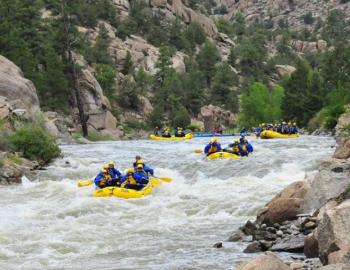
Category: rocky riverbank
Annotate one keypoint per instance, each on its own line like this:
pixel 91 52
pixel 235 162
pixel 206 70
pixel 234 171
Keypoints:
pixel 310 218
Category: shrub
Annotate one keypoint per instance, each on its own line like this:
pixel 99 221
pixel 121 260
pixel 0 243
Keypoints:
pixel 181 118
pixel 308 18
pixel 35 143
pixel 96 136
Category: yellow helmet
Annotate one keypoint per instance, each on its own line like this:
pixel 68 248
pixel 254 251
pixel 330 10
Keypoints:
pixel 236 140
pixel 140 161
pixel 139 166
pixel 294 124
pixel 104 171
pixel 105 167
pixel 289 123
pixel 214 139
pixel 111 163
pixel 130 170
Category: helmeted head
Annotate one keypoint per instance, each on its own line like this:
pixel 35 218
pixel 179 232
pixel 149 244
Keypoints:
pixel 111 164
pixel 214 140
pixel 289 123
pixel 138 157
pixel 294 124
pixel 140 162
pixel 139 167
pixel 106 167
pixel 130 171
pixel 104 171
pixel 284 123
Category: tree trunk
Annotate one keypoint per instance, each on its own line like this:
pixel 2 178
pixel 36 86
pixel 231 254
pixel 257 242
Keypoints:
pixel 72 69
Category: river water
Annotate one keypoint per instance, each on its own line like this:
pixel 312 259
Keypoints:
pixel 49 223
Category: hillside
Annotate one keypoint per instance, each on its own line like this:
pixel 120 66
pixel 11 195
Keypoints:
pixel 119 66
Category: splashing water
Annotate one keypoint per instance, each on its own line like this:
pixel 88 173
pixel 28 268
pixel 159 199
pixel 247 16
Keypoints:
pixel 51 224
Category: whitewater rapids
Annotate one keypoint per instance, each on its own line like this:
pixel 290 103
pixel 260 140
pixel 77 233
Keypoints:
pixel 50 223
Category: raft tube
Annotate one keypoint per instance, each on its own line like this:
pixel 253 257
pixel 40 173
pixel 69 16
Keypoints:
pixel 172 138
pixel 269 134
pixel 126 193
pixel 223 155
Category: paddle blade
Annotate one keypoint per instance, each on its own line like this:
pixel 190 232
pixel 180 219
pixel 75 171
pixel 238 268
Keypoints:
pixel 166 179
pixel 85 183
pixel 155 182
pixel 198 151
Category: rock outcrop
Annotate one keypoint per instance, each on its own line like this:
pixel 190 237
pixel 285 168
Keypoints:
pixel 308 47
pixel 19 91
pixel 265 262
pixel 333 234
pixel 333 173
pixel 343 125
pixel 213 116
pixel 286 205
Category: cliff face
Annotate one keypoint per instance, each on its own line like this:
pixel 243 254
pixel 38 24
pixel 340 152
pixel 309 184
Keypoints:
pixel 290 10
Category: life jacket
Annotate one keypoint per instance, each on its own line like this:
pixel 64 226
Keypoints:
pixel 235 149
pixel 107 177
pixel 130 179
pixel 213 149
pixel 244 147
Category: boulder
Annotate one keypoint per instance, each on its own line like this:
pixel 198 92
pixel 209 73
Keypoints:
pixel 342 124
pixel 96 105
pixel 5 108
pixel 311 246
pixel 19 92
pixel 284 70
pixel 269 261
pixel 333 173
pixel 343 149
pixel 290 244
pixel 253 248
pixel 158 3
pixel 333 234
pixel 286 205
pixel 214 116
pixel 338 266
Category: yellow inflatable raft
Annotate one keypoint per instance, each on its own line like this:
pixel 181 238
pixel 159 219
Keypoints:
pixel 222 155
pixel 172 138
pixel 126 193
pixel 269 134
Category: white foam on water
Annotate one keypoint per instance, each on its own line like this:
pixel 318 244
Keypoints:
pixel 52 224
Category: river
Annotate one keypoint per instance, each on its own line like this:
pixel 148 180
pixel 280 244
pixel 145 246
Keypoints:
pixel 50 223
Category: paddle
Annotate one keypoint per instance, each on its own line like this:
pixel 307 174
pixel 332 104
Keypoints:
pixel 85 183
pixel 198 151
pixel 163 178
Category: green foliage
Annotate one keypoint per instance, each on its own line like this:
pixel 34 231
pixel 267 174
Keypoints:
pixel 222 92
pixel 308 18
pixel 35 143
pixel 261 105
pixel 157 116
pixel 252 53
pixel 129 94
pixel 2 162
pixel 239 24
pixel 95 136
pixel 304 94
pixel 222 10
pixel 181 118
pixel 207 59
pixel 138 125
pixel 336 28
pixel 105 75
pixel 225 26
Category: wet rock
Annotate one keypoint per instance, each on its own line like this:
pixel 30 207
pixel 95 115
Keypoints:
pixel 271 230
pixel 253 248
pixel 265 245
pixel 290 244
pixel 249 228
pixel 265 262
pixel 310 225
pixel 218 245
pixel 311 246
pixel 279 233
pixel 236 236
pixel 276 225
pixel 297 265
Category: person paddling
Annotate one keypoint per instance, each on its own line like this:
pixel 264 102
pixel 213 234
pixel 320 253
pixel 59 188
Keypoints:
pixel 133 181
pixel 212 147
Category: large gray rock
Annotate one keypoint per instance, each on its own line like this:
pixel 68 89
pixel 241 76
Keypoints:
pixel 338 266
pixel 269 261
pixel 212 116
pixel 333 234
pixel 286 205
pixel 290 244
pixel 19 91
pixel 331 180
